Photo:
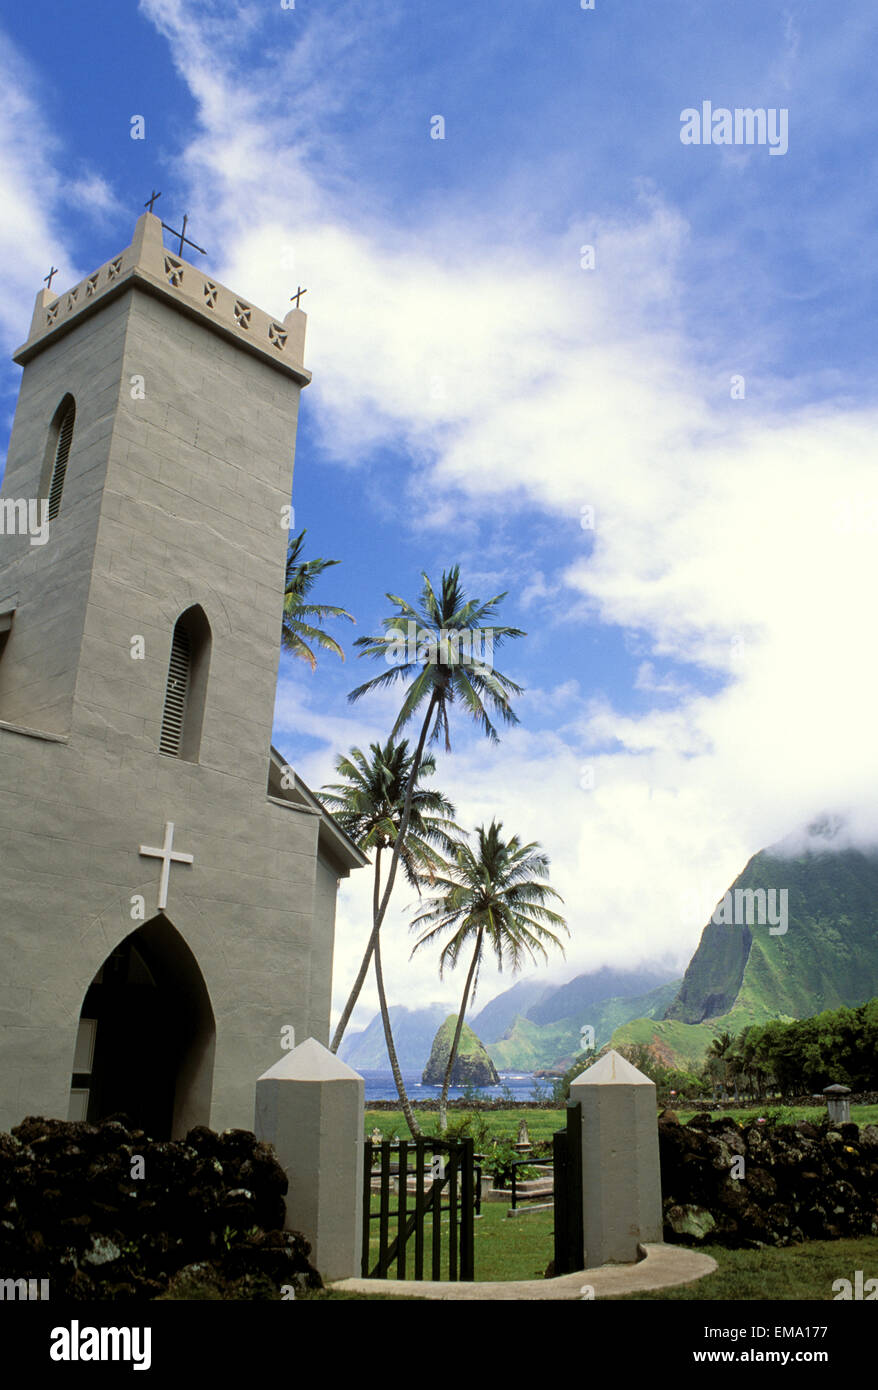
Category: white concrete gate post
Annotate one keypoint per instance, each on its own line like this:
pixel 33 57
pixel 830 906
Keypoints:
pixel 309 1106
pixel 621 1177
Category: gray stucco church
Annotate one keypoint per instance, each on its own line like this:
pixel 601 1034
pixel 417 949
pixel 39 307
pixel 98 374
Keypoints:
pixel 167 883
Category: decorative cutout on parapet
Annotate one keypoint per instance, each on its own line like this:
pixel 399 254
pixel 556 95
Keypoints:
pixel 173 271
pixel 147 260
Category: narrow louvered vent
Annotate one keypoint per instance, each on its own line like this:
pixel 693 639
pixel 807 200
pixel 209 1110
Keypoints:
pixel 62 453
pixel 176 693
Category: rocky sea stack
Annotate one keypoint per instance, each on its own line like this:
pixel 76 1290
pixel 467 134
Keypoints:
pixel 472 1065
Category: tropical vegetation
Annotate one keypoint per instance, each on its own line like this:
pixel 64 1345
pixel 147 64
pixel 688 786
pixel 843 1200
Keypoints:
pixel 491 898
pixel 368 805
pixel 444 623
pixel 797 1056
pixel 297 626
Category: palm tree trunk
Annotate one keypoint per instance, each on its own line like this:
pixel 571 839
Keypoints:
pixel 452 1054
pixel 375 949
pixel 385 1014
pixel 391 1049
pixel 378 916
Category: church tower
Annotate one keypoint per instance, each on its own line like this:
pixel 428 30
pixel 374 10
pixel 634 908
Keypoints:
pixel 167 883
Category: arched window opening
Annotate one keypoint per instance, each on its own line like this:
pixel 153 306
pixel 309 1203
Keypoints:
pixel 57 455
pixel 186 687
pixel 175 694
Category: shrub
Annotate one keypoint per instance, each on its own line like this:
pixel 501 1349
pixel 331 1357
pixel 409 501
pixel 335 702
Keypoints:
pixel 504 1154
pixel 468 1125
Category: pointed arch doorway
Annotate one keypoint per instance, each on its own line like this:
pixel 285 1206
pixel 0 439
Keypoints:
pixel 146 1038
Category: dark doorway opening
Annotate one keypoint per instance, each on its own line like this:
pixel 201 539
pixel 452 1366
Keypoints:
pixel 146 1037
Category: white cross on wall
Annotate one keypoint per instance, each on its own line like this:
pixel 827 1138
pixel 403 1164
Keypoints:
pixel 167 856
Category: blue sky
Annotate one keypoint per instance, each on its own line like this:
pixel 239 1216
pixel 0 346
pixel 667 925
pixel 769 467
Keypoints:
pixel 707 648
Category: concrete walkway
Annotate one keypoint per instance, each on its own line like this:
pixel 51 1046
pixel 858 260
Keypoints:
pixel 663 1267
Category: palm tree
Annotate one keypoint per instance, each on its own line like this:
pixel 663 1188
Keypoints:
pixel 438 677
pixel 719 1057
pixel 301 576
pixel 492 895
pixel 368 807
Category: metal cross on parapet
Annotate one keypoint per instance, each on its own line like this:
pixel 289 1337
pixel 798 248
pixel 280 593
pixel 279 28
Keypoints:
pixel 294 298
pixel 47 279
pixel 149 202
pixel 183 237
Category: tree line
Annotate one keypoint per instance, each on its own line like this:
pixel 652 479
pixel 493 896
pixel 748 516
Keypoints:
pixel 790 1057
pixel 800 1055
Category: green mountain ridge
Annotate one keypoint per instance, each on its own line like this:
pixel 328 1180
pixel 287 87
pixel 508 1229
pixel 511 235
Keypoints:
pixel 493 1021
pixel 744 974
pixel 532 1046
pixel 828 955
pixel 529 1046
pixel 738 975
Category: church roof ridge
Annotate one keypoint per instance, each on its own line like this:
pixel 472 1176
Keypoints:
pixel 337 838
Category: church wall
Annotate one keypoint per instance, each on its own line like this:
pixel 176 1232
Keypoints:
pixel 38 666
pixel 176 529
pixel 322 939
pixel 171 500
pixel 69 870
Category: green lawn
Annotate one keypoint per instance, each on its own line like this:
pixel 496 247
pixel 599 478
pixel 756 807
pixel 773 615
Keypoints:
pixel 796 1272
pixel 860 1114
pixel 502 1124
pixel 521 1247
pixel 505 1247
pixel 541 1124
pixel 518 1247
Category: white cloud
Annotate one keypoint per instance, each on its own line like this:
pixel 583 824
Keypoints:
pixel 93 195
pixel 738 541
pixel 30 237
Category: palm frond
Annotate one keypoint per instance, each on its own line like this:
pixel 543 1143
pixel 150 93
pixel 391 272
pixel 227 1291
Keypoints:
pixel 301 576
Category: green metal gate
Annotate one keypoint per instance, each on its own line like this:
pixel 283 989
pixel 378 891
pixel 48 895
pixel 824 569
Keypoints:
pixel 429 1179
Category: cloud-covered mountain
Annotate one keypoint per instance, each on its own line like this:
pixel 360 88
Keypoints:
pixel 823 955
pixel 795 934
pixel 413 1034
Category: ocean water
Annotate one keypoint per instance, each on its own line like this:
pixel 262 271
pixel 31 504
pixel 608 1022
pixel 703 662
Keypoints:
pixel 380 1086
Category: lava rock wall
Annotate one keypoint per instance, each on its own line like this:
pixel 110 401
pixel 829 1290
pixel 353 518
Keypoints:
pixel 103 1212
pixel 796 1182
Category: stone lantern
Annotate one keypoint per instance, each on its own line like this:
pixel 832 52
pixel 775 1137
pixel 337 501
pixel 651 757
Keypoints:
pixel 837 1104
